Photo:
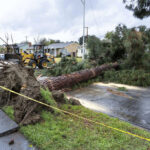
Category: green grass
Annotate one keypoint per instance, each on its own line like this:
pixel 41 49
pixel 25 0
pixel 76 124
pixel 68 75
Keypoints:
pixel 122 89
pixel 47 95
pixel 64 132
pixel 59 131
pixel 9 111
pixel 79 59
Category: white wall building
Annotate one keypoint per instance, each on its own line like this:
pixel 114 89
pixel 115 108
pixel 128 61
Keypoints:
pixel 80 51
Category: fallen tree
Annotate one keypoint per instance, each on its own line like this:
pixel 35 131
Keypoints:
pixel 67 81
pixel 22 80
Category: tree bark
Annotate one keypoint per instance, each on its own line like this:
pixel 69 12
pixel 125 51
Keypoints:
pixel 67 81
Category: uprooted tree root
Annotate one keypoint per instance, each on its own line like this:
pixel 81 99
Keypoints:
pixel 21 80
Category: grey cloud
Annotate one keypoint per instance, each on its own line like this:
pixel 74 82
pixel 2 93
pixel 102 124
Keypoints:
pixel 54 16
pixel 38 20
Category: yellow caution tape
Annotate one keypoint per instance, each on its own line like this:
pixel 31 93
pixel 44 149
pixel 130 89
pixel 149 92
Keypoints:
pixel 77 116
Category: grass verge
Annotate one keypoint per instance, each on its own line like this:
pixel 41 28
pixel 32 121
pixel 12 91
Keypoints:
pixel 63 132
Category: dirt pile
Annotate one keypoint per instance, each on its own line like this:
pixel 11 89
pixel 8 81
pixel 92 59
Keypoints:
pixel 21 80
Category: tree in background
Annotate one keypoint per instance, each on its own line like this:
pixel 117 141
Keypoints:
pixel 118 50
pixel 47 42
pixel 135 48
pixel 129 46
pixel 99 50
pixel 94 46
pixel 140 8
pixel 109 35
pixel 81 39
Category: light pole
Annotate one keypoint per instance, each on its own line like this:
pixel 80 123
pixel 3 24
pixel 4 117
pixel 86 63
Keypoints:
pixel 83 49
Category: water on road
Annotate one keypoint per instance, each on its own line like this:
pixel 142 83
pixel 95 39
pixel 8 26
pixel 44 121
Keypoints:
pixel 132 105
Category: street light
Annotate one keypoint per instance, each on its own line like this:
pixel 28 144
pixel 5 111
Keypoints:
pixel 83 2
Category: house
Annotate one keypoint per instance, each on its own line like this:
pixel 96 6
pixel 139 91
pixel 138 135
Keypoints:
pixel 65 49
pixel 80 51
pixel 25 46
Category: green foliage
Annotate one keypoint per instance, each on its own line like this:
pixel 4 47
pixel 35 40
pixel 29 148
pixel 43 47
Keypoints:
pixel 109 50
pixel 67 66
pixel 135 49
pixel 140 8
pixel 99 50
pixel 94 46
pixel 109 35
pixel 118 50
pixel 130 47
pixel 81 39
pixel 46 42
pixel 129 77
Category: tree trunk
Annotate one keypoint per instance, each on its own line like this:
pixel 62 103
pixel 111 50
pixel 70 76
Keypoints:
pixel 67 81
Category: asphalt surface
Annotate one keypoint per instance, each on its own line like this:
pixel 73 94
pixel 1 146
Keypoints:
pixel 10 138
pixel 132 105
pixel 7 126
pixel 15 141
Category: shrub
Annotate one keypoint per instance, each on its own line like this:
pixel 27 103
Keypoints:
pixel 130 77
pixel 67 66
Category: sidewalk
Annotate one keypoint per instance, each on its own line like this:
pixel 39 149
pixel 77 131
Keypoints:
pixel 10 138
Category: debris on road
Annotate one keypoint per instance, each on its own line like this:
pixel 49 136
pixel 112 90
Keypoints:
pixel 119 93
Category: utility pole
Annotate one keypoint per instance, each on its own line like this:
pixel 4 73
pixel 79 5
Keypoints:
pixel 83 49
pixel 26 39
pixel 87 32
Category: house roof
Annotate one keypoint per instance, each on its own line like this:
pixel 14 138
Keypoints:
pixel 23 44
pixel 57 45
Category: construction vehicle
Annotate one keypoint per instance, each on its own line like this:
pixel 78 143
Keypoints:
pixel 39 58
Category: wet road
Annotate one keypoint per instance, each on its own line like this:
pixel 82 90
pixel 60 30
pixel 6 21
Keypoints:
pixel 99 97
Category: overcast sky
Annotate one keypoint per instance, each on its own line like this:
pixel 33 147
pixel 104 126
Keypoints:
pixel 62 19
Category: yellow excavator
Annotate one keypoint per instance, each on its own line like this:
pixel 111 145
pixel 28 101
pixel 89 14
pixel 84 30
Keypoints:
pixel 39 58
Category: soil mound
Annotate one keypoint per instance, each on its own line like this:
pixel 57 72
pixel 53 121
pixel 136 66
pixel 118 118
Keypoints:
pixel 21 80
